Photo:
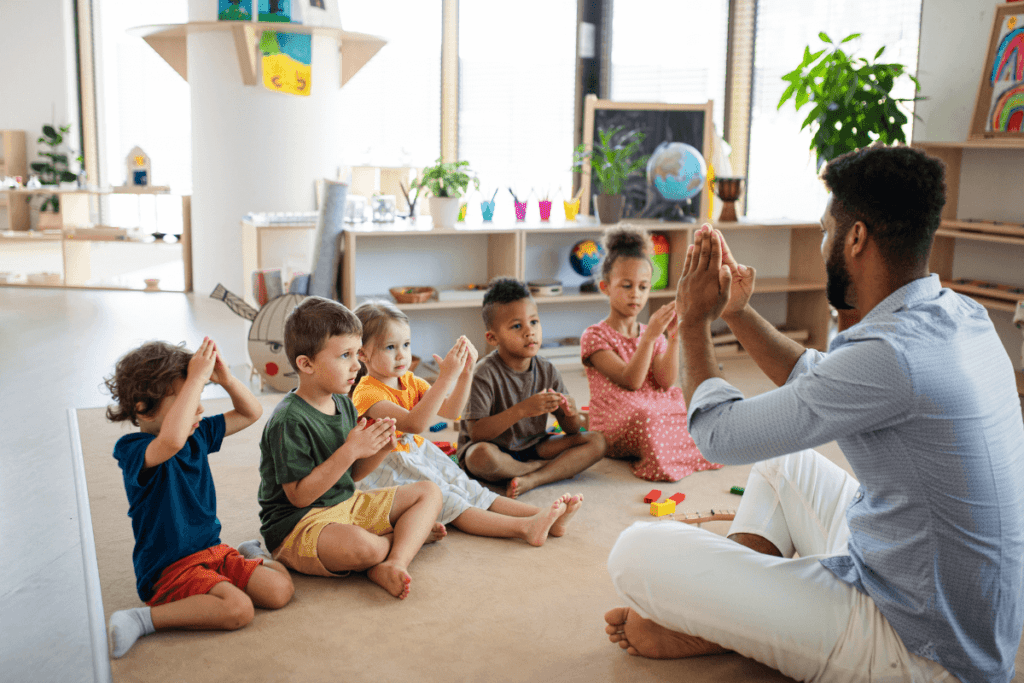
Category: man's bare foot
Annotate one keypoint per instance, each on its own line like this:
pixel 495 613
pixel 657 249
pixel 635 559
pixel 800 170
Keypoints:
pixel 537 527
pixel 392 578
pixel 437 533
pixel 639 636
pixel 572 504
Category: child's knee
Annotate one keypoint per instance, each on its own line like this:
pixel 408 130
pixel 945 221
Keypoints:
pixel 597 441
pixel 482 458
pixel 427 490
pixel 368 551
pixel 238 611
pixel 282 591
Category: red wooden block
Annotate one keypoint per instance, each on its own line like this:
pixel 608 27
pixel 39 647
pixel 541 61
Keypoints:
pixel 653 496
pixel 678 498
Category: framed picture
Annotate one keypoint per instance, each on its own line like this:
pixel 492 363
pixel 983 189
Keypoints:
pixel 999 109
pixel 659 122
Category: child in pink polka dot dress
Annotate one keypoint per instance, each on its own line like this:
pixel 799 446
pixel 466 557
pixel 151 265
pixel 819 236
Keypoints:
pixel 632 369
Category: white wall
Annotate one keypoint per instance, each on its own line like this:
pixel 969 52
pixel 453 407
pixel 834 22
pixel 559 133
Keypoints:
pixel 954 38
pixel 38 83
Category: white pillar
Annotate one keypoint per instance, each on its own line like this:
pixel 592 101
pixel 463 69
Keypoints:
pixel 252 149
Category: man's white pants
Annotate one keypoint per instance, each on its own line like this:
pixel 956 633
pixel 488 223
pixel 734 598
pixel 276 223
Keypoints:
pixel 790 614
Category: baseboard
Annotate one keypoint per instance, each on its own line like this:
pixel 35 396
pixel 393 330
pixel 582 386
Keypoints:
pixel 93 593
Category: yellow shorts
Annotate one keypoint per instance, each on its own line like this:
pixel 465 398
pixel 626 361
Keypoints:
pixel 369 510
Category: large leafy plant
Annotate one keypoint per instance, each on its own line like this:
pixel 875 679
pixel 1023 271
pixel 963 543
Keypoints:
pixel 54 170
pixel 613 158
pixel 449 179
pixel 851 101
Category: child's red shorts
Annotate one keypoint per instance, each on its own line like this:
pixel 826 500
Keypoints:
pixel 197 573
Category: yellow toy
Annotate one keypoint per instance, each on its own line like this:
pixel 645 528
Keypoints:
pixel 662 509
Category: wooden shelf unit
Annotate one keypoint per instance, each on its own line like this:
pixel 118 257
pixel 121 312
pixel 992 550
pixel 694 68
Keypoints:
pixel 505 246
pixel 13 162
pixel 954 228
pixel 75 252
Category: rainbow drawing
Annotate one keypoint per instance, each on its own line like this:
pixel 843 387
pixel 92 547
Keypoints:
pixel 1008 111
pixel 1009 59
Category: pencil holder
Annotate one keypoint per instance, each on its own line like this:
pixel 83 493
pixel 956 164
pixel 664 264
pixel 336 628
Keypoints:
pixel 462 213
pixel 520 211
pixel 571 209
pixel 487 210
pixel 545 209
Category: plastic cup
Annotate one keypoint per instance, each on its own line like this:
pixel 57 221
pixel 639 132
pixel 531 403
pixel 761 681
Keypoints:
pixel 462 213
pixel 520 211
pixel 487 210
pixel 571 209
pixel 545 209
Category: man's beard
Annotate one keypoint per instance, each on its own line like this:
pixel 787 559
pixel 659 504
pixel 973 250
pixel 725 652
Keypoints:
pixel 837 278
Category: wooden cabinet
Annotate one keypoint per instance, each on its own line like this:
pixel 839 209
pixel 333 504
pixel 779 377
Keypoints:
pixel 14 211
pixel 83 255
pixel 377 257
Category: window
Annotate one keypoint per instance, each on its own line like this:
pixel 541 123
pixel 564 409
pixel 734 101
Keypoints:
pixel 782 178
pixel 670 52
pixel 517 88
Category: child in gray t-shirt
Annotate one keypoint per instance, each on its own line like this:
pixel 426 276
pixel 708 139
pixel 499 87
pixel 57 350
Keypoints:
pixel 503 433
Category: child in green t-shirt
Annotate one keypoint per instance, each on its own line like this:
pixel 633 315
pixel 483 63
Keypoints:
pixel 313 450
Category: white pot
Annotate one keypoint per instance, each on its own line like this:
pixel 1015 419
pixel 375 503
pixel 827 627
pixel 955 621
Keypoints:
pixel 444 211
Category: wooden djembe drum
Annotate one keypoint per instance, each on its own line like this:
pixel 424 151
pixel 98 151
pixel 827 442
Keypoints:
pixel 728 190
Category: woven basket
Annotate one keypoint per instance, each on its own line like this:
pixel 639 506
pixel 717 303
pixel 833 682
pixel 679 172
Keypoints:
pixel 411 295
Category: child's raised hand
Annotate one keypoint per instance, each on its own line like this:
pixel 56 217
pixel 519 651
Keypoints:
pixel 568 405
pixel 454 360
pixel 660 320
pixel 369 437
pixel 203 361
pixel 542 403
pixel 221 374
pixel 471 358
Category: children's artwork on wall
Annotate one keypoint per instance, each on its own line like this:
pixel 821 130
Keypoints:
pixel 234 10
pixel 266 336
pixel 287 62
pixel 316 13
pixel 276 10
pixel 999 109
pixel 660 123
pixel 137 168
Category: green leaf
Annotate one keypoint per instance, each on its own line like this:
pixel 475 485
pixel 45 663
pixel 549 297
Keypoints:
pixel 879 53
pixel 824 38
pixel 786 95
pixel 850 37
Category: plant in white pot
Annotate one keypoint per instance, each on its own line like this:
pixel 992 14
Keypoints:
pixel 447 182
pixel 612 160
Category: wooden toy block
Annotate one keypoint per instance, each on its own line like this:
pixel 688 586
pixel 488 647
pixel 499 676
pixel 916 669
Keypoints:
pixel 653 496
pixel 708 516
pixel 662 509
pixel 678 498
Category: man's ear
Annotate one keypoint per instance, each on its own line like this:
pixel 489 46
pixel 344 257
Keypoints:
pixel 857 238
pixel 304 364
pixel 491 339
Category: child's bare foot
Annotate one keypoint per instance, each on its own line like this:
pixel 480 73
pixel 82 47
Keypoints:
pixel 572 504
pixel 392 578
pixel 639 636
pixel 521 484
pixel 537 527
pixel 437 533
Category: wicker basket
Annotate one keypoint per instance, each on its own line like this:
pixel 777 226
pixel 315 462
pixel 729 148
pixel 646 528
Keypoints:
pixel 411 295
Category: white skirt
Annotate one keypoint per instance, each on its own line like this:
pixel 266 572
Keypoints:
pixel 428 462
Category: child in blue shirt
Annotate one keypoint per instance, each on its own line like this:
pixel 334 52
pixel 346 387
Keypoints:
pixel 184 574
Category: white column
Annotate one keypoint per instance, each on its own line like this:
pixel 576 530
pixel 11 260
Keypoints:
pixel 252 149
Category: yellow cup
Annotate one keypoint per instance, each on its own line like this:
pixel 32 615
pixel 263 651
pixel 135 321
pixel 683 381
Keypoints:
pixel 571 209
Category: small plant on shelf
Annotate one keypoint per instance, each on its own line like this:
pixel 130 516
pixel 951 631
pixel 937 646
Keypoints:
pixel 446 181
pixel 54 170
pixel 613 159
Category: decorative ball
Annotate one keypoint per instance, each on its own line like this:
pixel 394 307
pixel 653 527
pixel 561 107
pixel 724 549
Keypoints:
pixel 585 257
pixel 677 171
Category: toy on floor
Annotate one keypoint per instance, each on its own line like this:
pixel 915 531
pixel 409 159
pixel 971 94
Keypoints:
pixel 738 490
pixel 653 496
pixel 677 498
pixel 664 508
pixel 438 427
pixel 707 516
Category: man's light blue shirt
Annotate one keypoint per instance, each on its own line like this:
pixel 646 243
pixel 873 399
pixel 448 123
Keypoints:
pixel 921 397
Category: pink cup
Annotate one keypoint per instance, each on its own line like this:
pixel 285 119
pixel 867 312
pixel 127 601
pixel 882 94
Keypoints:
pixel 521 211
pixel 545 210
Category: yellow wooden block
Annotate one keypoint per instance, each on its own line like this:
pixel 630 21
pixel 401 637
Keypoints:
pixel 662 509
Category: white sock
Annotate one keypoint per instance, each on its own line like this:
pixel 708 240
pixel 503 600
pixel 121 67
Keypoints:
pixel 127 626
pixel 252 550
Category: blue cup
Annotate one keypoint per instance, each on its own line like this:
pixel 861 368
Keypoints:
pixel 487 209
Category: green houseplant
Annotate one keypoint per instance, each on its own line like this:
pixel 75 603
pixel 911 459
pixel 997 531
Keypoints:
pixel 446 181
pixel 613 158
pixel 53 170
pixel 852 104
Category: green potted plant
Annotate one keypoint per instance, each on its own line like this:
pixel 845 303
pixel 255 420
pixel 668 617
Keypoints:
pixel 447 182
pixel 852 104
pixel 53 171
pixel 613 158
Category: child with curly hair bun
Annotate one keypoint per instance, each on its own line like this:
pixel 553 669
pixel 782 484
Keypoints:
pixel 632 368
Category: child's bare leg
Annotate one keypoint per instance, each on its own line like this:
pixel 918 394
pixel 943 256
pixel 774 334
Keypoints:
pixel 346 547
pixel 490 463
pixel 270 586
pixel 517 508
pixel 413 515
pixel 564 457
pixel 572 504
pixel 533 529
pixel 225 608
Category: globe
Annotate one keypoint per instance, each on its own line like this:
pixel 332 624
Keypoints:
pixel 677 171
pixel 585 257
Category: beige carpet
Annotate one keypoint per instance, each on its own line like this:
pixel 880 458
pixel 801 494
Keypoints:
pixel 481 609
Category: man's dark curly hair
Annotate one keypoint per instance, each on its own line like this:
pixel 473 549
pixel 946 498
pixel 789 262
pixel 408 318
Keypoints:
pixel 898 192
pixel 145 376
pixel 502 290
